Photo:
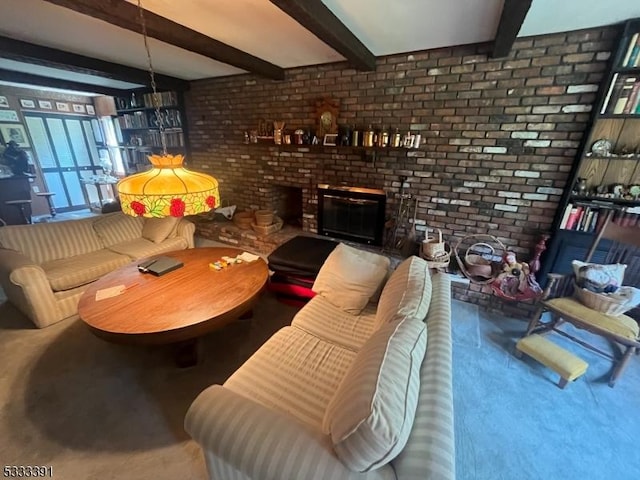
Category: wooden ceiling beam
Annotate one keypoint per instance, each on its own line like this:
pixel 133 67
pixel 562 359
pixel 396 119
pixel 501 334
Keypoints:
pixel 126 15
pixel 511 19
pixel 41 81
pixel 51 57
pixel 316 17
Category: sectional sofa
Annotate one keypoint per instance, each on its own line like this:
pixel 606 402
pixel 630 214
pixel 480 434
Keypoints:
pixel 347 391
pixel 45 267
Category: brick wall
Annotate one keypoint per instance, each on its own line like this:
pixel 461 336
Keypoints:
pixel 499 135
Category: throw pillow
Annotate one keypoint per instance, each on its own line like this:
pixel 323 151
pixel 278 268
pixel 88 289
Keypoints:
pixel 349 277
pixel 371 413
pixel 115 228
pixel 158 229
pixel 598 278
pixel 406 293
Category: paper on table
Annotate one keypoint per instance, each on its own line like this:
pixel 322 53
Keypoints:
pixel 248 257
pixel 110 292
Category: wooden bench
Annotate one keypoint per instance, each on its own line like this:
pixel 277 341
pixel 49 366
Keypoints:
pixel 565 363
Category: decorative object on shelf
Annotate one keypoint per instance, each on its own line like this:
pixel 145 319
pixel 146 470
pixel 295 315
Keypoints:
pixel 580 187
pixel 330 139
pixel 4 103
pixel 277 132
pixel 168 188
pixel 326 117
pixel 602 147
pixel 367 137
pixel 26 103
pixel 62 106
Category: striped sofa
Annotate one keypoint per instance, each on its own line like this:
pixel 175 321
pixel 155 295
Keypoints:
pixel 294 409
pixel 45 267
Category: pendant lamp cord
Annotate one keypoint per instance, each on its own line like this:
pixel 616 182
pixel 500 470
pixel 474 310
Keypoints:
pixel 156 102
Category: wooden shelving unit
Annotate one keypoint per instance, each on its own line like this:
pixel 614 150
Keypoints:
pixel 616 121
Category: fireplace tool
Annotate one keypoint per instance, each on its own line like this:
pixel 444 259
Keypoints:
pixel 400 217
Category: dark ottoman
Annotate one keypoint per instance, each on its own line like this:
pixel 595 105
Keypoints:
pixel 296 264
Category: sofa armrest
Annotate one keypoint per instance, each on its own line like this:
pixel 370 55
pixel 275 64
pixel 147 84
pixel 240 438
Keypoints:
pixel 261 443
pixel 430 451
pixel 27 287
pixel 187 230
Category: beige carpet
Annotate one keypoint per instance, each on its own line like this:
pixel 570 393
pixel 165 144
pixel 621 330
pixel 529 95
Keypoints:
pixel 97 410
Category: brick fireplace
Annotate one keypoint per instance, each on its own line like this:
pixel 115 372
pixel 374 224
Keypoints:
pixel 499 135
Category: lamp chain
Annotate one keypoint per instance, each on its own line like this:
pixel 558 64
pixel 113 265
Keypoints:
pixel 156 102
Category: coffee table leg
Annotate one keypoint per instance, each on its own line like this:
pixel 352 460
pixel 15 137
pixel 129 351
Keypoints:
pixel 186 353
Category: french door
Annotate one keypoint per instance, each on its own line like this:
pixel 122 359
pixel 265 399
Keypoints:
pixel 67 149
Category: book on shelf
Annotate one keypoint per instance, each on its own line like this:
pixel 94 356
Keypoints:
pixel 623 97
pixel 565 216
pixel 612 87
pixel 580 218
pixel 631 58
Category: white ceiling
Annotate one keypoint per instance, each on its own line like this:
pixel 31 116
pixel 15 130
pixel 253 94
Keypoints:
pixel 261 29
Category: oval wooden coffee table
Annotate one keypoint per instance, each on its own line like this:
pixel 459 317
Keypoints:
pixel 178 306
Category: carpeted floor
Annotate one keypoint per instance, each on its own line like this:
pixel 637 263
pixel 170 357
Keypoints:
pixel 513 422
pixel 96 410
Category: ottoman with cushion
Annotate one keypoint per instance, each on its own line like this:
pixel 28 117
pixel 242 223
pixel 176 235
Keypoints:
pixel 296 264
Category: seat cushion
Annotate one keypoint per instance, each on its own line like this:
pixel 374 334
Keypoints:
pixel 407 293
pixel 141 247
pixel 117 228
pixel 293 372
pixel 72 272
pixel 301 255
pixel 321 318
pixel 350 277
pixel 371 415
pixel 622 325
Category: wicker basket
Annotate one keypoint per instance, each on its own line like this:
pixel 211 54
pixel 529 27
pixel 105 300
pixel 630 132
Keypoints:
pixel 268 229
pixel 613 307
pixel 264 218
pixel 433 247
pixel 243 220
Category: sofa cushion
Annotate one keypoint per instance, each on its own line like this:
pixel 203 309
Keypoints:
pixel 350 277
pixel 71 272
pixel 321 318
pixel 293 372
pixel 371 415
pixel 117 228
pixel 407 293
pixel 141 247
pixel 44 242
pixel 158 229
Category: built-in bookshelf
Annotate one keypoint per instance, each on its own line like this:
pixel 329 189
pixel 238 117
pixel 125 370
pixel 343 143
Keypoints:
pixel 138 126
pixel 606 174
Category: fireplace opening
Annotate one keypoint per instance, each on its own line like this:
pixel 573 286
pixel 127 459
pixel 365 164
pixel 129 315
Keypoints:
pixel 352 213
pixel 287 201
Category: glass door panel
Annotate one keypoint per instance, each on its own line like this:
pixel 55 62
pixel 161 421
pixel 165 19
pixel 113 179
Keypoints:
pixel 74 188
pixel 41 144
pixel 54 184
pixel 76 135
pixel 60 142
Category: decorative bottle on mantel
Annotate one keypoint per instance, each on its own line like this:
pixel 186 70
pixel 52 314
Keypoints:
pixel 367 139
pixel 396 139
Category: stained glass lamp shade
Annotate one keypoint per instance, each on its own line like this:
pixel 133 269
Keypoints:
pixel 168 189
